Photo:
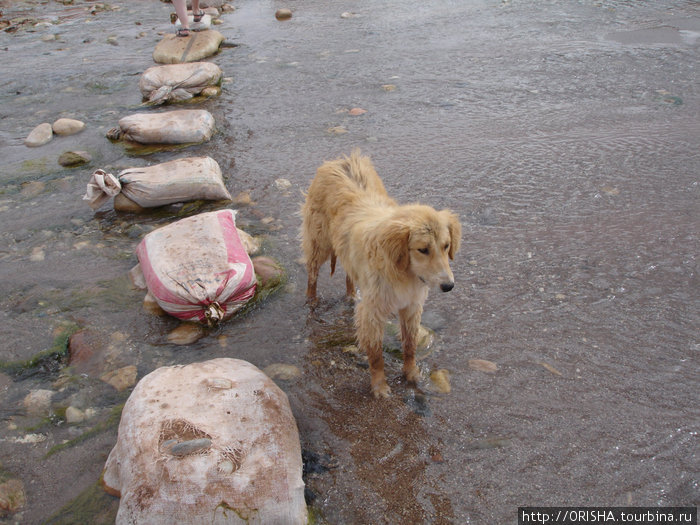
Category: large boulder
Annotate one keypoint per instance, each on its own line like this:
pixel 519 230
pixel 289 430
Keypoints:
pixel 209 442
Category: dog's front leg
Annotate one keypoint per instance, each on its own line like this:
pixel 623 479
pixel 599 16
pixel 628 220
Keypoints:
pixel 409 318
pixel 370 333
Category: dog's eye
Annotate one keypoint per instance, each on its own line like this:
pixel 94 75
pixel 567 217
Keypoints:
pixel 424 251
pixel 447 247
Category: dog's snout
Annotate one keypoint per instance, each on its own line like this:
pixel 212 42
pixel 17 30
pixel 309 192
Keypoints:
pixel 446 287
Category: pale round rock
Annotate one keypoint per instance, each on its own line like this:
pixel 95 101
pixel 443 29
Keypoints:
pixel 39 136
pixel 68 126
pixel 283 14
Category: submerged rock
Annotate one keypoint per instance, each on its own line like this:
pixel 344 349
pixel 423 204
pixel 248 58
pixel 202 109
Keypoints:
pixel 482 365
pixel 12 496
pixel 186 334
pixel 68 159
pixel 38 402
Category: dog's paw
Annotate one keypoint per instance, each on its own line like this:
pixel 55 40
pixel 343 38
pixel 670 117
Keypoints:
pixel 381 390
pixel 412 375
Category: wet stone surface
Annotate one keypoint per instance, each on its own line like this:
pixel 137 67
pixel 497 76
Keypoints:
pixel 564 134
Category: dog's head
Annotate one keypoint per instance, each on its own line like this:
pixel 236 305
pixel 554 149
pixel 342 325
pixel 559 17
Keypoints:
pixel 420 241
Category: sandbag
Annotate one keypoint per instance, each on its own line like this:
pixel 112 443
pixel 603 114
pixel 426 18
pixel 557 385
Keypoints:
pixel 179 180
pixel 209 442
pixel 182 126
pixel 197 268
pixel 177 82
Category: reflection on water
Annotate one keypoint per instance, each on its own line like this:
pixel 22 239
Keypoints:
pixel 564 134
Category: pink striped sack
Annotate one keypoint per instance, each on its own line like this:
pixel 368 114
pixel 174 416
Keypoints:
pixel 197 268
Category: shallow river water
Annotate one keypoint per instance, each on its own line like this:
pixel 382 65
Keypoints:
pixel 565 134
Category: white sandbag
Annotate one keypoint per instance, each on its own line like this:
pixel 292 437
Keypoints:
pixel 180 180
pixel 182 126
pixel 207 443
pixel 197 268
pixel 178 82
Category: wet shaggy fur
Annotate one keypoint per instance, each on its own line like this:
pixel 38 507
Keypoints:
pixel 393 253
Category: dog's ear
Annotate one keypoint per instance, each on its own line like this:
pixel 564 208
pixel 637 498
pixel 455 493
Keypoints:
pixel 393 239
pixel 455 229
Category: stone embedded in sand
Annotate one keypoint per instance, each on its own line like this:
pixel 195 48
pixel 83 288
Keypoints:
pixel 39 136
pixel 482 365
pixel 68 126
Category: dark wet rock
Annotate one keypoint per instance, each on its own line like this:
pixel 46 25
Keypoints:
pixel 39 136
pixel 418 403
pixel 317 463
pixel 69 159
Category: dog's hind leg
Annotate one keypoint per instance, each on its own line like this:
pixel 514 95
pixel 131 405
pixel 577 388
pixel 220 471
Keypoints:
pixel 370 333
pixel 409 318
pixel 349 287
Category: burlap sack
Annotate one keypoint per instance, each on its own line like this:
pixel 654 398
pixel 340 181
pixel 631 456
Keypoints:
pixel 180 180
pixel 184 126
pixel 210 442
pixel 177 82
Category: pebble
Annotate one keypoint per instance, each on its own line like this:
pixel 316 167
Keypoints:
pixel 122 378
pixel 38 402
pixel 210 91
pixel 441 380
pixel 186 334
pixel 282 371
pixel 482 365
pixel 12 496
pixel 283 14
pixel 357 111
pixel 283 184
pixel 74 158
pixel 243 199
pixel 67 126
pixel 190 447
pixel 37 254
pixel 74 415
pixel 40 135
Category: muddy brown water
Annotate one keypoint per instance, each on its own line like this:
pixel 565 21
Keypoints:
pixel 565 134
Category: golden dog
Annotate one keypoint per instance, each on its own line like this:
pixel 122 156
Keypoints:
pixel 394 254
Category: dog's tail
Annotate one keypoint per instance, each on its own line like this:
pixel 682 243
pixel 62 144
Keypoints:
pixel 359 168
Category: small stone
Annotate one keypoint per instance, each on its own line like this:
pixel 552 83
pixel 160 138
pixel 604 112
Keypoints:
pixel 283 14
pixel 190 447
pixel 552 369
pixel 151 306
pixel 39 136
pixel 69 159
pixel 267 270
pixel 122 378
pixel 68 126
pixel 38 402
pixel 348 14
pixel 388 87
pixel 210 91
pixel 357 111
pixel 482 365
pixel 243 199
pixel 74 415
pixel 48 38
pixel 112 40
pixel 186 334
pixel 337 130
pixel 441 380
pixel 250 244
pixel 282 371
pixel 283 184
pixel 12 496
